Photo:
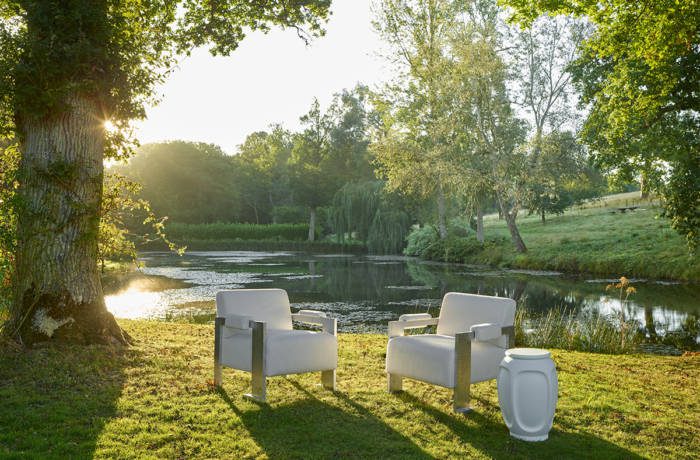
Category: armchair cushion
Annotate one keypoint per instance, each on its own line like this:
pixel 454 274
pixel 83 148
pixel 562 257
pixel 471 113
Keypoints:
pixel 486 331
pixel 268 305
pixel 286 352
pixel 431 358
pixel 459 312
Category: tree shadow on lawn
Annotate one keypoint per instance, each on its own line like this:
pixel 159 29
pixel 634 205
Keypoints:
pixel 492 438
pixel 55 400
pixel 311 428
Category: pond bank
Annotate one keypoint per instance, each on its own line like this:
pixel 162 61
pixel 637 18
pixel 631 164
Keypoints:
pixel 156 399
pixel 595 241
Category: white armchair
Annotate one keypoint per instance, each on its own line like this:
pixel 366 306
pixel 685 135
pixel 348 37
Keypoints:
pixel 473 333
pixel 253 332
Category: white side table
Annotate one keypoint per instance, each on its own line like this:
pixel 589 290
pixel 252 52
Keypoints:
pixel 528 392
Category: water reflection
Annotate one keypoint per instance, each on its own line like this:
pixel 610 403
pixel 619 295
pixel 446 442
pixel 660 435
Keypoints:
pixel 364 292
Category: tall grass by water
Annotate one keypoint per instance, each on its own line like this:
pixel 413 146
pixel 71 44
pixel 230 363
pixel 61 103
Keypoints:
pixel 586 331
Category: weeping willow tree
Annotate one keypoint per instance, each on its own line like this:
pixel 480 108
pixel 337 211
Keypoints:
pixel 361 210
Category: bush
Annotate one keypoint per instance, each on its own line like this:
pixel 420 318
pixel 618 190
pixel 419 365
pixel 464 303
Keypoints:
pixel 290 214
pixel 420 239
pixel 460 227
pixel 182 233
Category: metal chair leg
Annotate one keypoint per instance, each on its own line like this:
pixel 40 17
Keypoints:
pixel 218 324
pixel 462 377
pixel 394 383
pixel 328 379
pixel 259 384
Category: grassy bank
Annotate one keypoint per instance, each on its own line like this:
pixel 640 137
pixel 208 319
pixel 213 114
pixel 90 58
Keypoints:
pixel 590 239
pixel 155 400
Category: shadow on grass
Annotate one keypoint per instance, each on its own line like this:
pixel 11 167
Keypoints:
pixel 492 438
pixel 55 401
pixel 311 428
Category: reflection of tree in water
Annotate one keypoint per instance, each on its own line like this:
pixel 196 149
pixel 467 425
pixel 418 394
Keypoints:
pixel 373 288
pixel 533 295
pixel 353 279
pixel 649 323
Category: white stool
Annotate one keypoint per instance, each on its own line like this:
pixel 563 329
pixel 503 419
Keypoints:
pixel 527 392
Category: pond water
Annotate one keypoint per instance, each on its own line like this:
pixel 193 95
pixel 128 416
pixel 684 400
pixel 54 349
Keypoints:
pixel 364 292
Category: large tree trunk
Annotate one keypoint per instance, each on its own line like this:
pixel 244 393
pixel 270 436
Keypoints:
pixel 479 223
pixel 58 293
pixel 510 215
pixel 312 224
pixel 514 232
pixel 442 218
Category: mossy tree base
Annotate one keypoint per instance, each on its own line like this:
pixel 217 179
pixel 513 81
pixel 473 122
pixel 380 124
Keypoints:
pixel 59 318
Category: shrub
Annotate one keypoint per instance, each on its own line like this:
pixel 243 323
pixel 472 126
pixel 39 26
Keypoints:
pixel 420 239
pixel 453 249
pixel 290 214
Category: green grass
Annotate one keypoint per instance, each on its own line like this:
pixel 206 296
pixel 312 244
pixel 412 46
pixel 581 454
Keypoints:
pixel 154 400
pixel 593 240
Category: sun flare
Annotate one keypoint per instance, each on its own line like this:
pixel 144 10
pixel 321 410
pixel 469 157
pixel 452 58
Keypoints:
pixel 109 126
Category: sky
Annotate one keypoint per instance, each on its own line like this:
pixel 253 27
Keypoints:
pixel 270 78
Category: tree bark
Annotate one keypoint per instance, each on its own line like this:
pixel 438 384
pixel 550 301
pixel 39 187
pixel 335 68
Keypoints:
pixel 510 216
pixel 479 223
pixel 542 215
pixel 58 293
pixel 442 219
pixel 312 224
pixel 644 186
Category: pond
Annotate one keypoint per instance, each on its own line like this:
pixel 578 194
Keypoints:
pixel 364 291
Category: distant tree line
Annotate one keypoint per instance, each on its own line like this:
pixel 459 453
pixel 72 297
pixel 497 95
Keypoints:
pixel 316 175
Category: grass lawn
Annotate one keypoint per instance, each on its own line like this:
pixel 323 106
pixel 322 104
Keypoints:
pixel 155 400
pixel 592 239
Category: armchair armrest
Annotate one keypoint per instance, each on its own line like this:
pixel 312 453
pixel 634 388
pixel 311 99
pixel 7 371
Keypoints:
pixel 318 318
pixel 413 321
pixel 489 331
pixel 235 321
pixel 485 331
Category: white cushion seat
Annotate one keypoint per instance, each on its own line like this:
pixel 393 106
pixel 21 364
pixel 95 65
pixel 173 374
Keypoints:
pixel 473 332
pixel 254 332
pixel 286 351
pixel 431 358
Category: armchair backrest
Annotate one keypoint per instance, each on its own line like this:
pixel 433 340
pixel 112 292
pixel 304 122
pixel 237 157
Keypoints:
pixel 459 312
pixel 269 305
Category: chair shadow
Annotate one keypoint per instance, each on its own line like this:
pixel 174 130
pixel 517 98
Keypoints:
pixel 311 428
pixel 492 438
pixel 56 401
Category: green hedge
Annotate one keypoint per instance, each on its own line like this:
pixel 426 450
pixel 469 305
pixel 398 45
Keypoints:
pixel 260 245
pixel 182 233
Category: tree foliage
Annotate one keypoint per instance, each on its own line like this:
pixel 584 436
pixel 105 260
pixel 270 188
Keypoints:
pixel 639 73
pixel 117 51
pixel 187 182
pixel 418 131
pixel 368 212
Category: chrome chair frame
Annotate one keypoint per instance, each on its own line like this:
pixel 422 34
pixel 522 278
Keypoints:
pixel 463 359
pixel 259 331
